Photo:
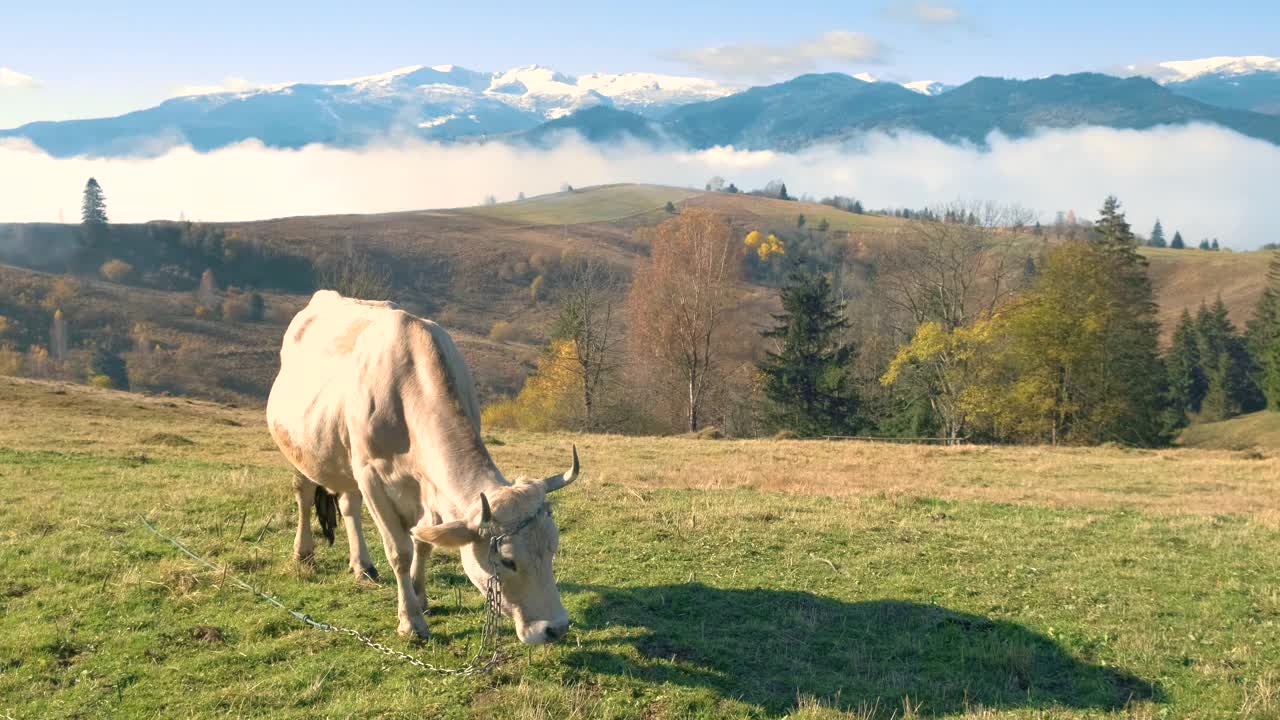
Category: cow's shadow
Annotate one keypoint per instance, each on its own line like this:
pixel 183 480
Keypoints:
pixel 771 648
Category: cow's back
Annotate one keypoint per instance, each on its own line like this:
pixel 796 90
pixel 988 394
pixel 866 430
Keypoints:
pixel 350 372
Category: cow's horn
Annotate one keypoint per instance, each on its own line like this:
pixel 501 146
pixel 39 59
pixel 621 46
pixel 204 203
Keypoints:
pixel 486 515
pixel 555 482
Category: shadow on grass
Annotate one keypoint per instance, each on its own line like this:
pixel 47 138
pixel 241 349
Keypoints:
pixel 771 647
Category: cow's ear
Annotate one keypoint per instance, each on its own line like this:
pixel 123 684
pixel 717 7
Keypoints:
pixel 451 534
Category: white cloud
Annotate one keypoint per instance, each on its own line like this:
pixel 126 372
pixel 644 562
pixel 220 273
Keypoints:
pixel 935 14
pixel 760 61
pixel 1205 181
pixel 10 78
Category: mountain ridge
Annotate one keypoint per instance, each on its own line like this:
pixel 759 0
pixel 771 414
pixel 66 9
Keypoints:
pixel 446 103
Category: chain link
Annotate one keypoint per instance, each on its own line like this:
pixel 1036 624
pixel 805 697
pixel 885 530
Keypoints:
pixel 476 665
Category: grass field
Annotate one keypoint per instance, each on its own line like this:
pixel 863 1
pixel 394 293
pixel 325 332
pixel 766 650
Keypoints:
pixel 602 203
pixel 705 579
pixel 1255 430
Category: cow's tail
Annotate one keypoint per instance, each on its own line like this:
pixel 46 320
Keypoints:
pixel 326 512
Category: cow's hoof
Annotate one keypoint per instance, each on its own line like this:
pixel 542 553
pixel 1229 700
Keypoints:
pixel 367 573
pixel 305 558
pixel 415 629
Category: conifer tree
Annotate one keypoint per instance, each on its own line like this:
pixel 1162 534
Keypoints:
pixel 1204 243
pixel 1264 336
pixel 807 378
pixel 1157 235
pixel 1214 245
pixel 93 210
pixel 1177 243
pixel 1187 383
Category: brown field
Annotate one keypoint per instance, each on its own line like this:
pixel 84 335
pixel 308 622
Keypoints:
pixel 1177 481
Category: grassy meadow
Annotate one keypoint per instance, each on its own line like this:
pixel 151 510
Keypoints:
pixel 705 579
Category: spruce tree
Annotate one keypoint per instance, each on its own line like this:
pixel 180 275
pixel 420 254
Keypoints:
pixel 807 379
pixel 1227 365
pixel 1157 235
pixel 1214 245
pixel 1204 244
pixel 93 210
pixel 1177 243
pixel 1264 336
pixel 1187 383
pixel 1133 377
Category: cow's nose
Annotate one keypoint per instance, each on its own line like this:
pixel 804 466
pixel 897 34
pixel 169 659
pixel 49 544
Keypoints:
pixel 555 632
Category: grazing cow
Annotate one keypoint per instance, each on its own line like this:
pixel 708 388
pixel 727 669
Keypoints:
pixel 376 403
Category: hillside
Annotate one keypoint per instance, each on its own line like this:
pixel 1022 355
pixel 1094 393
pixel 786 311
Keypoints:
pixel 1255 431
pixel 468 268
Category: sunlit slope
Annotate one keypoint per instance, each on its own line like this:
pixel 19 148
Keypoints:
pixel 1184 278
pixel 602 203
pixel 1256 430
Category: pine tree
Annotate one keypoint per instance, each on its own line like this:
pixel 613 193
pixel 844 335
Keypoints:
pixel 1204 244
pixel 93 212
pixel 1214 245
pixel 807 380
pixel 1177 243
pixel 1187 383
pixel 1264 336
pixel 1133 375
pixel 1227 365
pixel 1157 235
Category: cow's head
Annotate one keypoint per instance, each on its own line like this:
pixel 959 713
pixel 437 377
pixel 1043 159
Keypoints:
pixel 519 518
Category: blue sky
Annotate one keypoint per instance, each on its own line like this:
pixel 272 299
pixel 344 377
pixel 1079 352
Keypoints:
pixel 72 58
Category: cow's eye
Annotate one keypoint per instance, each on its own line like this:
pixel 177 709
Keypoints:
pixel 508 564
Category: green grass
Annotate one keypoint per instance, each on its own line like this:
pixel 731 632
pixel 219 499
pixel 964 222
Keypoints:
pixel 1259 430
pixel 686 601
pixel 603 203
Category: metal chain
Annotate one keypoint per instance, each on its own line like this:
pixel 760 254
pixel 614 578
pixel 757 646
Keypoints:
pixel 474 666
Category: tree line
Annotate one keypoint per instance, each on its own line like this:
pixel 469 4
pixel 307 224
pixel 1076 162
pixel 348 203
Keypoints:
pixel 967 329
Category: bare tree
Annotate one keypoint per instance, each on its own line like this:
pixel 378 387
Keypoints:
pixel 956 267
pixel 589 317
pixel 679 301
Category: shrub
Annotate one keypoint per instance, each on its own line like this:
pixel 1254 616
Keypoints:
pixel 116 271
pixel 503 331
pixel 549 399
pixel 257 307
pixel 10 361
pixel 101 381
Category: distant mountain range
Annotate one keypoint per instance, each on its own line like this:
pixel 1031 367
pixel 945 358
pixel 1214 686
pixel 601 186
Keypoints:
pixel 537 104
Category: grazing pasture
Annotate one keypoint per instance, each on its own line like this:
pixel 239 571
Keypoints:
pixel 705 579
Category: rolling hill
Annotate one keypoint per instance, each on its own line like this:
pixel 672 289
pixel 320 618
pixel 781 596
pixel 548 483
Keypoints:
pixel 469 268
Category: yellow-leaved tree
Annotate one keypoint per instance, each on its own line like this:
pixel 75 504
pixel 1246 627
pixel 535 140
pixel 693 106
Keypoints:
pixel 550 397
pixel 941 364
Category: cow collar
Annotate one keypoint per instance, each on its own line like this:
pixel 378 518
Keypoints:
pixel 495 533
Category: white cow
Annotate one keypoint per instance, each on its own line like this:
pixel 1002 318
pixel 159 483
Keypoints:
pixel 372 401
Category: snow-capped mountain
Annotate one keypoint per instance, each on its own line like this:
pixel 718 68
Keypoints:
pixel 927 87
pixel 448 102
pixel 1174 71
pixel 1247 82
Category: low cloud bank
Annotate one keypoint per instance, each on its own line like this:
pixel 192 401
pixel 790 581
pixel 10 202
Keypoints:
pixel 1204 181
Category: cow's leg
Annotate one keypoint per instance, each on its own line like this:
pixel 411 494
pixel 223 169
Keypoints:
pixel 399 548
pixel 304 543
pixel 351 505
pixel 421 561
